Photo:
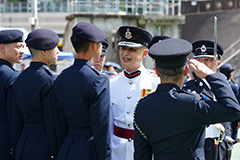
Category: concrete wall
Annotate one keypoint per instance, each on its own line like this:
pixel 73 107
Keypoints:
pixel 52 20
pixel 156 25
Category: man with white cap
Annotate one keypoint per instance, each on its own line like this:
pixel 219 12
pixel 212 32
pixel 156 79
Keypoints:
pixel 127 88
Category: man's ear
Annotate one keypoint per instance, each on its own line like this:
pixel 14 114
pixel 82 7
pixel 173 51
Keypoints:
pixel 93 45
pixel 145 53
pixel 218 64
pixel 2 48
pixel 43 52
pixel 186 69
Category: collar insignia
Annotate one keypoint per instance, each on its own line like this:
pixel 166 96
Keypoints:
pixel 203 48
pixel 128 34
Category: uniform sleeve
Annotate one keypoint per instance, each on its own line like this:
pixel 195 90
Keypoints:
pixel 142 147
pixel 49 121
pixel 99 117
pixel 225 109
pixel 16 121
pixel 55 122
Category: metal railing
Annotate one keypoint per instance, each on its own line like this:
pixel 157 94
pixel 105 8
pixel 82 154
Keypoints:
pixel 125 7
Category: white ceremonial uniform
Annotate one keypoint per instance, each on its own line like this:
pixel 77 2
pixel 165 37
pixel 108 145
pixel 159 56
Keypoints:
pixel 124 95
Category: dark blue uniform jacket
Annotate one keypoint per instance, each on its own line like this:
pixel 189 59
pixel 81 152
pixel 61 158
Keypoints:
pixel 212 151
pixel 82 97
pixel 32 136
pixel 7 77
pixel 173 120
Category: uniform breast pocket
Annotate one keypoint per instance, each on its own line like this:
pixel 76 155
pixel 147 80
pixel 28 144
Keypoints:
pixel 117 109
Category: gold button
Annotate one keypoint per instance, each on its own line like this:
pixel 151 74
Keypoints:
pixel 129 139
pixel 129 97
pixel 129 125
pixel 128 112
pixel 130 82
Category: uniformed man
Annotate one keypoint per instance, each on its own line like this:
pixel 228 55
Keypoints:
pixel 11 51
pixel 170 123
pixel 82 96
pixel 99 63
pixel 204 52
pixel 30 129
pixel 127 88
pixel 231 135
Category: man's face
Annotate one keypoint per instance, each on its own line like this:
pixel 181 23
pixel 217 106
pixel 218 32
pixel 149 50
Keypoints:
pixel 52 56
pixel 99 63
pixel 132 58
pixel 14 52
pixel 209 62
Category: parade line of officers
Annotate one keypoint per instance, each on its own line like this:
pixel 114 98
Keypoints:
pixel 89 114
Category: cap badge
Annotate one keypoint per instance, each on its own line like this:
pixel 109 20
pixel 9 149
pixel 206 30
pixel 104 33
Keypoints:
pixel 128 34
pixel 203 48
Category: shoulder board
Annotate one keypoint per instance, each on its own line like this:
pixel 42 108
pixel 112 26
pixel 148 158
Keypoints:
pixel 49 71
pixel 95 70
pixel 189 83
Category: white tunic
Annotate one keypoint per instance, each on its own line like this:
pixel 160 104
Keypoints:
pixel 124 95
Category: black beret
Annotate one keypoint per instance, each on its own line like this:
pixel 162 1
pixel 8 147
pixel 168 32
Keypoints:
pixel 133 37
pixel 226 69
pixel 104 47
pixel 87 31
pixel 205 48
pixel 10 36
pixel 170 53
pixel 42 39
pixel 157 39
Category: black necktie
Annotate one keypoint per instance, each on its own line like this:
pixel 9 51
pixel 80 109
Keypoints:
pixel 133 74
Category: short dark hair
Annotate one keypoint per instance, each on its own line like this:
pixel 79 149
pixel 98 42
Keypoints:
pixel 33 51
pixel 174 73
pixel 80 44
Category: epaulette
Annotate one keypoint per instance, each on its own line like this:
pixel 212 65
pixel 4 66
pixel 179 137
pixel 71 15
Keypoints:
pixel 189 83
pixel 95 70
pixel 49 71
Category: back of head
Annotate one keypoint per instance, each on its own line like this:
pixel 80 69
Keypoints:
pixel 170 57
pixel 133 37
pixel 205 48
pixel 11 36
pixel 42 39
pixel 85 32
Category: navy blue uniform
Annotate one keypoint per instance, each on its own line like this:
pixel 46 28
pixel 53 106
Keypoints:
pixel 82 96
pixel 7 77
pixel 32 135
pixel 234 124
pixel 212 151
pixel 170 123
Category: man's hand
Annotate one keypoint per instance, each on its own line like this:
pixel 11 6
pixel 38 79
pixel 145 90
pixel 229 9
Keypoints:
pixel 200 69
